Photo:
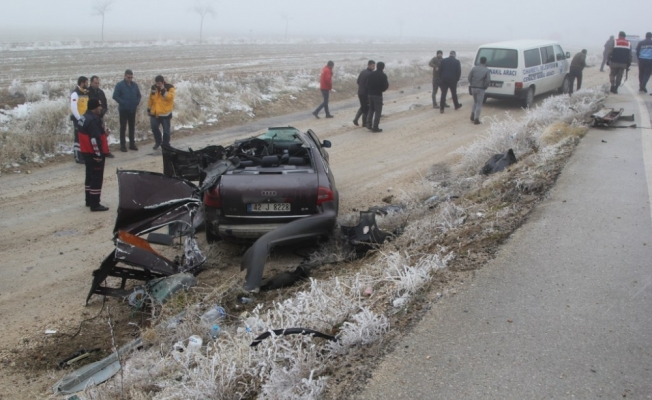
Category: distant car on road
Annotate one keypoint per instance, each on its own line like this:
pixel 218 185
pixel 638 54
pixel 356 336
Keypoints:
pixel 270 181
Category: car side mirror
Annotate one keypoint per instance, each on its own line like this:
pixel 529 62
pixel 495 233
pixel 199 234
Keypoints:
pixel 567 54
pixel 326 144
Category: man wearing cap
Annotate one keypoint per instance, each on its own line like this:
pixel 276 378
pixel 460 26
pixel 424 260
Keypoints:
pixel 362 93
pixel 127 95
pixel 159 108
pixel 620 59
pixel 93 146
pixel 450 71
pixel 78 104
pixel 577 65
pixel 644 54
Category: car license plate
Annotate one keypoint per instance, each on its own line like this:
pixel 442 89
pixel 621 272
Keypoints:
pixel 268 207
pixel 496 84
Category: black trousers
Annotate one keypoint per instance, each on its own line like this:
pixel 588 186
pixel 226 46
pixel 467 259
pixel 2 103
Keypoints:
pixel 363 110
pixel 94 179
pixel 572 74
pixel 445 85
pixel 127 118
pixel 644 72
pixel 375 109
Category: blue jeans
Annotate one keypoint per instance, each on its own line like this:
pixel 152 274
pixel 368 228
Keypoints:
pixel 155 122
pixel 324 104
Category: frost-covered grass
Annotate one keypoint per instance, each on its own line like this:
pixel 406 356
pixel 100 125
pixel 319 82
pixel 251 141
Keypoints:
pixel 358 305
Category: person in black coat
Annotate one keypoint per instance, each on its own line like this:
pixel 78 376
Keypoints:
pixel 362 93
pixel 94 92
pixel 450 72
pixel 376 84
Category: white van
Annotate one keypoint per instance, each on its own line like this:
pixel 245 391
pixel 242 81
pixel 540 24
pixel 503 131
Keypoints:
pixel 522 69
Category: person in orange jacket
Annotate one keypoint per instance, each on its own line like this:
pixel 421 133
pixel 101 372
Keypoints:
pixel 325 85
pixel 159 108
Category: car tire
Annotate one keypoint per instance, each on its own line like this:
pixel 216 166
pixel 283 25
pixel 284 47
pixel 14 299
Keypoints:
pixel 565 85
pixel 529 98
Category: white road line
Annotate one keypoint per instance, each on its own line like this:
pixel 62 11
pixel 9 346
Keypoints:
pixel 646 138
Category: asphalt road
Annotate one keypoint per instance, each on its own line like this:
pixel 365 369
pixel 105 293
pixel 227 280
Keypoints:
pixel 565 309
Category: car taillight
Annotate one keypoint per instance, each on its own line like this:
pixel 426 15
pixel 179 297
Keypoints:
pixel 324 195
pixel 212 198
pixel 518 85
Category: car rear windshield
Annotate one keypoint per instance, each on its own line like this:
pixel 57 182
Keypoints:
pixel 288 134
pixel 498 58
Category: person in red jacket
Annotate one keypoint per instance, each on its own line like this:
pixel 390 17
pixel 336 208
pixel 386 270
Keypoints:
pixel 325 85
pixel 93 146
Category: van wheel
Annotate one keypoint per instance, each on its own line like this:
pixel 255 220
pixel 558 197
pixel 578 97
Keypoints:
pixel 565 86
pixel 529 98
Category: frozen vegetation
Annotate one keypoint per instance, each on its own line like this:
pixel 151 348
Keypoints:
pixel 358 305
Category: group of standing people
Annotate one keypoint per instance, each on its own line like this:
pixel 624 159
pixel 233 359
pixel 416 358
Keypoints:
pixel 617 55
pixel 446 73
pixel 89 106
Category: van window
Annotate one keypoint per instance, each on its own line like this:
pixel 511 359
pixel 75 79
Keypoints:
pixel 532 58
pixel 559 53
pixel 547 55
pixel 498 58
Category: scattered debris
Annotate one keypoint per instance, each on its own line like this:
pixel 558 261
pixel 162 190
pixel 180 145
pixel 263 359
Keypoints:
pixel 365 236
pixel 499 162
pixel 95 373
pixel 50 331
pixel 285 279
pixel 76 356
pixel 160 290
pixel 607 117
pixel 291 331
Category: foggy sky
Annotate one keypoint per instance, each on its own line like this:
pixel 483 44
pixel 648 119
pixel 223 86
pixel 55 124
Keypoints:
pixel 572 22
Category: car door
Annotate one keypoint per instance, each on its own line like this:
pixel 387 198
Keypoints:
pixel 548 68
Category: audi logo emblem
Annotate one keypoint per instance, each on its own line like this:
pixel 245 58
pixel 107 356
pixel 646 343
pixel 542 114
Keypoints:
pixel 268 193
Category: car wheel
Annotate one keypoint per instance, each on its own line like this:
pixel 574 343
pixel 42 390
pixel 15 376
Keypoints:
pixel 529 98
pixel 565 86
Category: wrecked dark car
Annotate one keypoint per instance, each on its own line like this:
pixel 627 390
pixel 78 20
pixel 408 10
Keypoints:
pixel 276 188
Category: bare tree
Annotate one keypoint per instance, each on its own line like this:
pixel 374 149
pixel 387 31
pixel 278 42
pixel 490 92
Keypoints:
pixel 287 21
pixel 101 7
pixel 203 9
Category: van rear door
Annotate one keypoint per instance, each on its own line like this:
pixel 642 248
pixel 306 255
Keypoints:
pixel 503 66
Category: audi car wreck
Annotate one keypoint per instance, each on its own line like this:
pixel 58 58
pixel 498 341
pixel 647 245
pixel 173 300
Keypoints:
pixel 273 189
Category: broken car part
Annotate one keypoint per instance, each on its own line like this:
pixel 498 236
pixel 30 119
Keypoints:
pixel 285 279
pixel 607 117
pixel 160 290
pixel 366 235
pixel 291 331
pixel 499 162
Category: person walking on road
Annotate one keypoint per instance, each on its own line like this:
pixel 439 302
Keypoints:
pixel 94 92
pixel 577 65
pixel 377 83
pixel 620 59
pixel 644 54
pixel 325 85
pixel 362 94
pixel 479 80
pixel 435 64
pixel 608 46
pixel 450 72
pixel 93 145
pixel 159 108
pixel 78 105
pixel 127 95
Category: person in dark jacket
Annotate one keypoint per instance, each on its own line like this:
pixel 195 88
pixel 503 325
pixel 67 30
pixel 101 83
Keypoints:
pixel 577 65
pixel 450 72
pixel 435 63
pixel 608 46
pixel 94 92
pixel 362 94
pixel 127 95
pixel 92 142
pixel 479 80
pixel 644 54
pixel 376 84
pixel 619 61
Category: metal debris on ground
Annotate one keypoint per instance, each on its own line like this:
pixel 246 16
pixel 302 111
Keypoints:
pixel 607 117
